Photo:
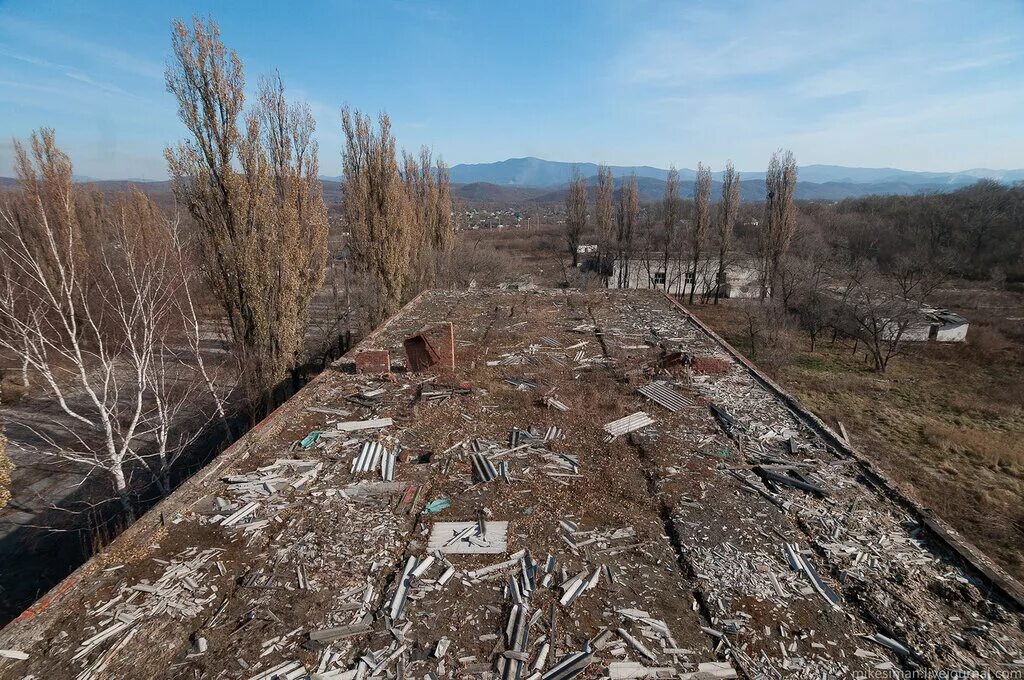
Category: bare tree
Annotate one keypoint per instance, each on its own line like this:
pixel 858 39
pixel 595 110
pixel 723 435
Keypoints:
pixel 727 211
pixel 919 273
pixel 671 208
pixel 701 220
pixel 873 311
pixel 647 235
pixel 6 470
pixel 219 384
pixel 433 231
pixel 604 216
pixel 575 214
pixel 628 217
pixel 810 296
pixel 97 324
pixel 769 333
pixel 252 187
pixel 377 210
pixel 779 222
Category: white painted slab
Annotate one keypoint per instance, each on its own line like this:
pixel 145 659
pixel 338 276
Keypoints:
pixel 495 540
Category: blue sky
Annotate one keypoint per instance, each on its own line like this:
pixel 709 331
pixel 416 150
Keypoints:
pixel 915 84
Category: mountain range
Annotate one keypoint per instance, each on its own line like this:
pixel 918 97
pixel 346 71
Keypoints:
pixel 534 180
pixel 537 172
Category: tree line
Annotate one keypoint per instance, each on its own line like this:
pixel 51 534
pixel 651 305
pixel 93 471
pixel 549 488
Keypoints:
pixel 107 304
pixel 697 240
pixel 860 269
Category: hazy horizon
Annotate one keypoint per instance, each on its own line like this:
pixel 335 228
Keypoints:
pixel 934 85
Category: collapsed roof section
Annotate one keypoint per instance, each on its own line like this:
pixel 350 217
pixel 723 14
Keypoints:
pixel 593 485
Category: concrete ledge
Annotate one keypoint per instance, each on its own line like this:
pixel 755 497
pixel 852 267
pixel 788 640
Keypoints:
pixel 981 564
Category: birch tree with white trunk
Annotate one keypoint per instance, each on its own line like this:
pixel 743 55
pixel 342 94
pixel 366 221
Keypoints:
pixel 88 301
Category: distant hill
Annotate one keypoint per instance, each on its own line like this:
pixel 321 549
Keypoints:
pixel 532 180
pixel 832 181
pixel 486 192
pixel 536 172
pixel 651 190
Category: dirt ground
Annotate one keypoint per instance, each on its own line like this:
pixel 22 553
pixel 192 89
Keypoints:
pixel 945 420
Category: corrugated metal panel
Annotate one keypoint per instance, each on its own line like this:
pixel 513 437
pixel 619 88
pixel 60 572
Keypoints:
pixel 660 392
pixel 630 423
pixel 369 457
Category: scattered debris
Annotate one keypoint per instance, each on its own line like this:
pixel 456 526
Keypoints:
pixel 436 506
pixel 357 425
pixel 468 537
pixel 555 404
pixel 329 564
pixel 630 423
pixel 660 392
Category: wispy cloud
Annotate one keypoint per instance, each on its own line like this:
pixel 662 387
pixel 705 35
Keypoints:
pixel 48 39
pixel 837 81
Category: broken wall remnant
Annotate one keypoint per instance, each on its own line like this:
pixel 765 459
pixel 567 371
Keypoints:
pixel 419 355
pixel 373 362
pixel 709 366
pixel 433 345
pixel 441 337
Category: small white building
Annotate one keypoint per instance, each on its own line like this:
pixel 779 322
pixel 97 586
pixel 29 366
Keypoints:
pixel 677 277
pixel 937 325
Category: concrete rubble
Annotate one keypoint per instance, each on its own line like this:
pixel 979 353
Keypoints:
pixel 546 498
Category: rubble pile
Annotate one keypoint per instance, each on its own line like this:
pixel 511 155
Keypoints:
pixel 557 491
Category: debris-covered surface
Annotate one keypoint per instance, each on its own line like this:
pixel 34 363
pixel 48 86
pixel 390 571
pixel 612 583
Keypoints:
pixel 563 502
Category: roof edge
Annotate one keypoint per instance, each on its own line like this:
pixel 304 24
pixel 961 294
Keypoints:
pixel 978 561
pixel 32 624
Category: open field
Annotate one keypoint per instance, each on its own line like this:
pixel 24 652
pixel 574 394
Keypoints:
pixel 946 421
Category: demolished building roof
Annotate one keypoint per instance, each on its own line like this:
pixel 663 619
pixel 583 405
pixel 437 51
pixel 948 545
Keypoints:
pixel 564 501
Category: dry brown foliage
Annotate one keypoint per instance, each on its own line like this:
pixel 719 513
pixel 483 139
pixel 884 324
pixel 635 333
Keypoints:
pixel 604 212
pixel 575 214
pixel 250 183
pixel 428 188
pixel 779 222
pixel 701 221
pixel 377 210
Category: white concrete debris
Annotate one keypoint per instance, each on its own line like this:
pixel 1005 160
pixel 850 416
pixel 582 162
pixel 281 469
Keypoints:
pixel 13 654
pixel 487 538
pixel 357 425
pixel 630 423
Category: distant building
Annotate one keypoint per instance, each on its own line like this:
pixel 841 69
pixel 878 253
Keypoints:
pixel 911 321
pixel 650 271
pixel 586 248
pixel 937 325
